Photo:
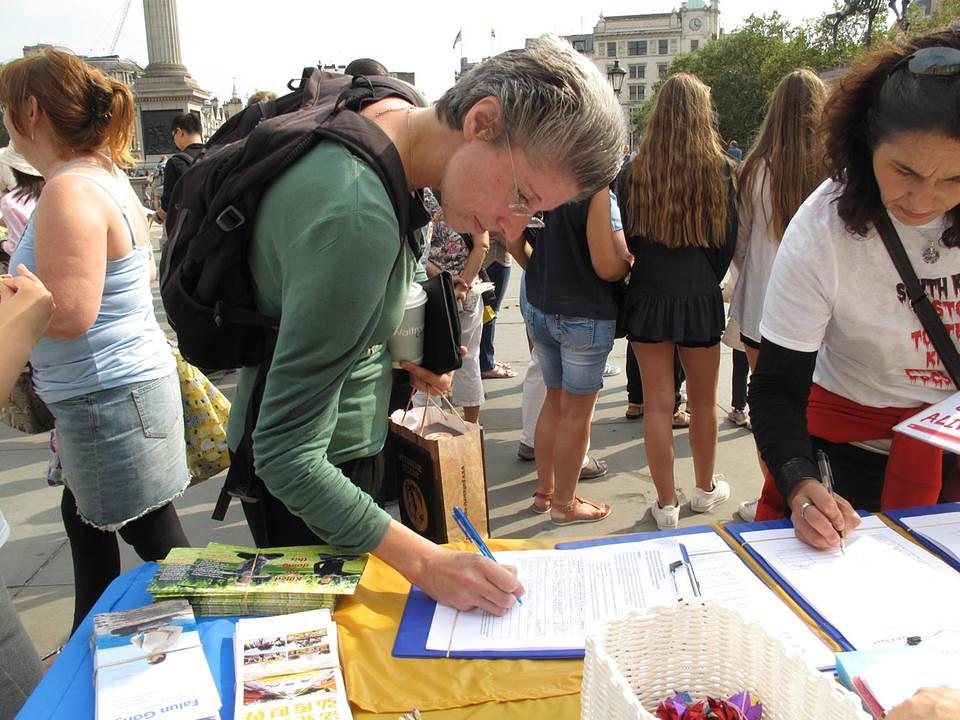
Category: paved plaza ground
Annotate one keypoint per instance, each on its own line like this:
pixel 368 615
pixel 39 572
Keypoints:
pixel 36 565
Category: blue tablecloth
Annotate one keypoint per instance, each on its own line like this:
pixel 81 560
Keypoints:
pixel 66 691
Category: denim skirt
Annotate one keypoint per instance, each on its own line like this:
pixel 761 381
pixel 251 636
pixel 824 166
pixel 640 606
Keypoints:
pixel 122 450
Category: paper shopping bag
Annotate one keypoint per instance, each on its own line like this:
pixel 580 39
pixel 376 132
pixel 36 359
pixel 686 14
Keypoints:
pixel 440 464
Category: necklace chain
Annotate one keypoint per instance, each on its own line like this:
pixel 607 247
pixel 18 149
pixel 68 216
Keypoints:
pixel 395 108
pixel 409 110
pixel 930 253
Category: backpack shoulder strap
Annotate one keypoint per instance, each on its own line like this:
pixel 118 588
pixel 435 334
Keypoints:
pixel 368 142
pixel 919 300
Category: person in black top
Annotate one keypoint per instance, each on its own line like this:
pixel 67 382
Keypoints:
pixel 187 136
pixel 569 304
pixel 679 211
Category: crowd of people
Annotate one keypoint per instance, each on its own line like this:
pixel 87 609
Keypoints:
pixel 524 151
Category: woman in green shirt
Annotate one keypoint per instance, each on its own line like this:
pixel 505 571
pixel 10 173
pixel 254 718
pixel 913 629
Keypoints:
pixel 523 132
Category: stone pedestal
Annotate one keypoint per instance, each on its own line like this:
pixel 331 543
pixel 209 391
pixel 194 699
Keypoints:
pixel 165 89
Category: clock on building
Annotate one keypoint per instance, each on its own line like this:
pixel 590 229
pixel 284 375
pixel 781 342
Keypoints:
pixel 695 23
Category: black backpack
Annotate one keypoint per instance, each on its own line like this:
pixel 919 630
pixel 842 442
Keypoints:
pixel 205 281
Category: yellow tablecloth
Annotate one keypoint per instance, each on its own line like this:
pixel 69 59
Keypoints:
pixel 463 689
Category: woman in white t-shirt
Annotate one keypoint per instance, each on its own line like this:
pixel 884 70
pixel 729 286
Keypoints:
pixel 843 357
pixel 782 168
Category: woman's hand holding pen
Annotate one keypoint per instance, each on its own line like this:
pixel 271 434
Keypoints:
pixel 465 580
pixel 820 518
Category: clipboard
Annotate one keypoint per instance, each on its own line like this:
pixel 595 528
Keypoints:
pixel 756 567
pixel 636 537
pixel 411 641
pixel 736 530
pixel 418 613
pixel 916 534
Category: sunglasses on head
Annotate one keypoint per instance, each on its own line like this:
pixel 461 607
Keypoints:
pixel 937 61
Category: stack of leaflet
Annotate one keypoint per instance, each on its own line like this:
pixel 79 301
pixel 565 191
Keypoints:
pixel 288 666
pixel 232 580
pixel 148 663
pixel 885 678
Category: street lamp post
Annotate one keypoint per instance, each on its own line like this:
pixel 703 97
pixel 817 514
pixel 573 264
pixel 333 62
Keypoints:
pixel 615 76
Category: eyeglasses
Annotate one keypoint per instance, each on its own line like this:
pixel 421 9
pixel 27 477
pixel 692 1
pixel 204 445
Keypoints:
pixel 940 61
pixel 519 207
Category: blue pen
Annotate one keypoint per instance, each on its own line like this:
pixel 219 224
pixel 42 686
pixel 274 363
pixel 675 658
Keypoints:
pixel 694 583
pixel 473 536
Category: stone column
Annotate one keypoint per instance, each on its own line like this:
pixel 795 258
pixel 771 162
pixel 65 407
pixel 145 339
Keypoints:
pixel 163 33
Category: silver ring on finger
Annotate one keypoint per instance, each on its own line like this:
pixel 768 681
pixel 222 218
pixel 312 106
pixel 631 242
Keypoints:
pixel 803 510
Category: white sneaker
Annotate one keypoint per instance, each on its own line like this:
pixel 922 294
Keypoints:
pixel 610 370
pixel 748 510
pixel 667 517
pixel 703 501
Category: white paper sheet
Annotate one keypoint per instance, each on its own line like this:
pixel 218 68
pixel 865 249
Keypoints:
pixel 721 575
pixel 881 591
pixel 567 591
pixel 942 529
pixel 895 677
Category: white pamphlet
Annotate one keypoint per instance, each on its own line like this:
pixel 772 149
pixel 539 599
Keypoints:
pixel 938 424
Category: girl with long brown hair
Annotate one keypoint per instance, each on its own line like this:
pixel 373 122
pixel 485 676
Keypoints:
pixel 681 220
pixel 785 165
pixel 782 168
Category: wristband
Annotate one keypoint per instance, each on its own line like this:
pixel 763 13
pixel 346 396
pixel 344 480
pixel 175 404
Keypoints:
pixel 791 473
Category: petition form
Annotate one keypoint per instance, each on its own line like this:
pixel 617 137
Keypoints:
pixel 883 590
pixel 567 591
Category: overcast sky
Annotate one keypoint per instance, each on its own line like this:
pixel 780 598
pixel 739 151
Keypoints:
pixel 260 45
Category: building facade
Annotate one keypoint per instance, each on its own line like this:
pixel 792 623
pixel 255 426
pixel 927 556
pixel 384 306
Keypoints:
pixel 643 46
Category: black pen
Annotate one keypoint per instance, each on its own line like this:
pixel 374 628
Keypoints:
pixel 826 474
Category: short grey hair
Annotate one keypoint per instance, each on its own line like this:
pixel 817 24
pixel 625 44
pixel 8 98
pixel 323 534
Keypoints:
pixel 556 106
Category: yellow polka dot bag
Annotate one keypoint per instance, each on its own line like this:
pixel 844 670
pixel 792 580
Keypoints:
pixel 205 412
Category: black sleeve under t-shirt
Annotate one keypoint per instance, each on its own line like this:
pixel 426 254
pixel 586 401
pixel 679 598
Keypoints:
pixel 779 390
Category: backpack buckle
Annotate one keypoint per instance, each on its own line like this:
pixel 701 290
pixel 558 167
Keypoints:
pixel 230 219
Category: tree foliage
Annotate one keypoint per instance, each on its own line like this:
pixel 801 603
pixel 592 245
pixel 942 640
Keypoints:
pixel 743 68
pixel 945 12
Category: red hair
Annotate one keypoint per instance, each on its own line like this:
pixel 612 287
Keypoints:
pixel 88 110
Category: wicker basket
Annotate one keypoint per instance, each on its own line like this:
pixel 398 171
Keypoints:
pixel 636 661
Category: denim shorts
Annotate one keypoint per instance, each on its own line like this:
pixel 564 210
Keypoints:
pixel 122 450
pixel 572 350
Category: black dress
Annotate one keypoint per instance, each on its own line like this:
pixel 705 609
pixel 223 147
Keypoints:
pixel 674 293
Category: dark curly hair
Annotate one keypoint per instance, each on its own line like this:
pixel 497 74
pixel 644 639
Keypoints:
pixel 874 104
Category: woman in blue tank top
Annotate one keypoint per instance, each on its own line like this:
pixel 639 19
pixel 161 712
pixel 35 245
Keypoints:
pixel 103 367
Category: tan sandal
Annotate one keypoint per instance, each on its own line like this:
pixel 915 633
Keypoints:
pixel 548 502
pixel 568 514
pixel 634 411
